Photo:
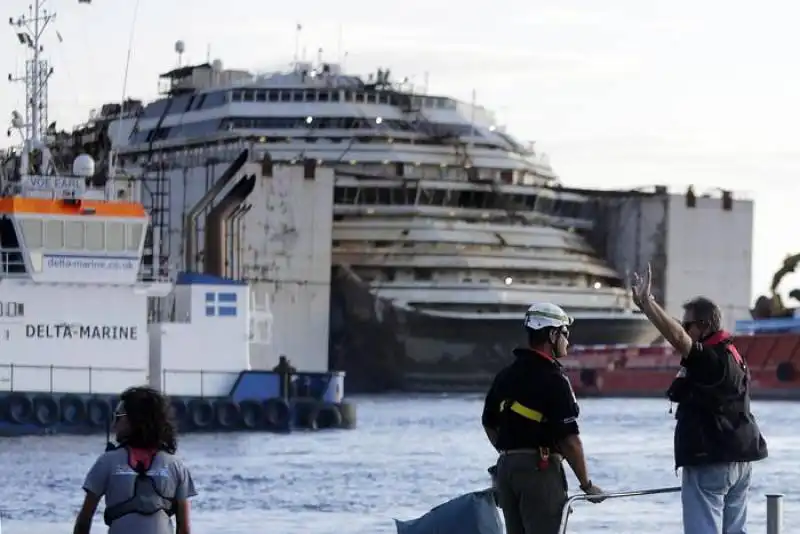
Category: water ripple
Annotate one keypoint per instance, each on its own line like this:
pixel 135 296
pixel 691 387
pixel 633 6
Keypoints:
pixel 407 455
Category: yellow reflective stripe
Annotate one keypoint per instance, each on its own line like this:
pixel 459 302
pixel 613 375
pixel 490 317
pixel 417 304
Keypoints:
pixel 524 411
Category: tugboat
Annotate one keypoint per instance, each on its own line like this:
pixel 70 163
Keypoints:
pixel 76 298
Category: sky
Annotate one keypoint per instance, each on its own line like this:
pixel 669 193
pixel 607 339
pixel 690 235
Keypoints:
pixel 618 93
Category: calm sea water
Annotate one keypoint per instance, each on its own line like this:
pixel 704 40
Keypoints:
pixel 408 455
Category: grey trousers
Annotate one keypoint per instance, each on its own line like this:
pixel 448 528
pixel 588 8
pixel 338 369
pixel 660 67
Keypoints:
pixel 531 499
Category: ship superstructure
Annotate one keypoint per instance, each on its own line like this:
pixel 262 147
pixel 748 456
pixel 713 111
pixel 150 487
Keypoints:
pixel 77 303
pixel 438 213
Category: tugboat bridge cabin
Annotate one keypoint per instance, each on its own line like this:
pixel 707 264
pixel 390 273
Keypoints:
pixel 62 229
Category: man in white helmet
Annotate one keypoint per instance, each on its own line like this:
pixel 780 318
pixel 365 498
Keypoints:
pixel 530 417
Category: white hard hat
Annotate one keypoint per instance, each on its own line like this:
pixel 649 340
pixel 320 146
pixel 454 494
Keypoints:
pixel 546 315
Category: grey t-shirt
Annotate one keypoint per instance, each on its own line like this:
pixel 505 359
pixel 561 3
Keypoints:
pixel 113 478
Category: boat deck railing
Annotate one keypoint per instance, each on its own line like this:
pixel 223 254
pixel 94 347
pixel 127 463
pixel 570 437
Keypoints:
pixel 12 265
pixel 774 505
pixel 74 378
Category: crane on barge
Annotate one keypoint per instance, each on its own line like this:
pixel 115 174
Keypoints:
pixel 773 307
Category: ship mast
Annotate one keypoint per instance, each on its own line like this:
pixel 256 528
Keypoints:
pixel 30 28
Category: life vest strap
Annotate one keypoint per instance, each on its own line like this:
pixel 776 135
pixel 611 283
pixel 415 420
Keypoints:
pixel 146 498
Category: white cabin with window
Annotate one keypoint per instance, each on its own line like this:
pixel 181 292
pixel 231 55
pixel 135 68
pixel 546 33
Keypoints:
pixel 58 230
pixel 65 240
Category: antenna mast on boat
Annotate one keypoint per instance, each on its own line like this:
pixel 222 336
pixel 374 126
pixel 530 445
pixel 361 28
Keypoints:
pixel 112 155
pixel 30 28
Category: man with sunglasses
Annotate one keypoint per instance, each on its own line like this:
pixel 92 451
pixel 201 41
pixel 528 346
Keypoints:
pixel 716 436
pixel 530 417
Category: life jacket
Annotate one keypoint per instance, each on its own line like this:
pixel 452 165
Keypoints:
pixel 714 422
pixel 150 492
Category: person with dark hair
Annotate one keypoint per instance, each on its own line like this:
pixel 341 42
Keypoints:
pixel 531 417
pixel 716 435
pixel 143 482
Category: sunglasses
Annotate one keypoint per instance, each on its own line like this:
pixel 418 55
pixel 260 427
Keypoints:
pixel 119 411
pixel 564 331
pixel 688 324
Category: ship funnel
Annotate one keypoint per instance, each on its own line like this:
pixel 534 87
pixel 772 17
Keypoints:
pixel 190 236
pixel 216 239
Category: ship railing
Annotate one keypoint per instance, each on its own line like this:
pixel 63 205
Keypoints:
pixel 150 273
pixel 75 379
pixel 12 264
pixel 774 506
pixel 768 326
pixel 197 383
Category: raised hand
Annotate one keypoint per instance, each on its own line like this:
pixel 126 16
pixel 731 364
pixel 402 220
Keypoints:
pixel 641 286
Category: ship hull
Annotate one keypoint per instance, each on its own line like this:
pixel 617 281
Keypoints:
pixel 383 347
pixel 773 361
pixel 653 383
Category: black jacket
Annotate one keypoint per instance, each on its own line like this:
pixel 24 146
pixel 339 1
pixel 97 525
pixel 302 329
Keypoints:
pixel 531 403
pixel 714 422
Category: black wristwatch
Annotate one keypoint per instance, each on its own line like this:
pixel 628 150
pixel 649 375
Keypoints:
pixel 586 487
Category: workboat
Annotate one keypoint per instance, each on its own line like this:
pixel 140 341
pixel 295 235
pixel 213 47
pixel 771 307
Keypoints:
pixel 75 331
pixel 83 317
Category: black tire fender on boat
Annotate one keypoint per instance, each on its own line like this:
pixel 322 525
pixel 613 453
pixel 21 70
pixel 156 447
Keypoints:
pixel 324 416
pixel 588 377
pixel 786 372
pixel 302 411
pixel 201 414
pixel 277 414
pixel 348 411
pixel 45 410
pixel 73 410
pixel 178 411
pixel 227 414
pixel 20 408
pixel 252 414
pixel 98 412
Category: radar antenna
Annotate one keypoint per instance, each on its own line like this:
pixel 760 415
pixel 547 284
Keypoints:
pixel 180 49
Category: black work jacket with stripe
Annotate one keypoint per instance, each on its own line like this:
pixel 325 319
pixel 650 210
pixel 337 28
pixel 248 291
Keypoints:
pixel 531 403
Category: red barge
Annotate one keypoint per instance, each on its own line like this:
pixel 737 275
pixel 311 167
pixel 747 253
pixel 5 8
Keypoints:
pixel 769 343
pixel 647 371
